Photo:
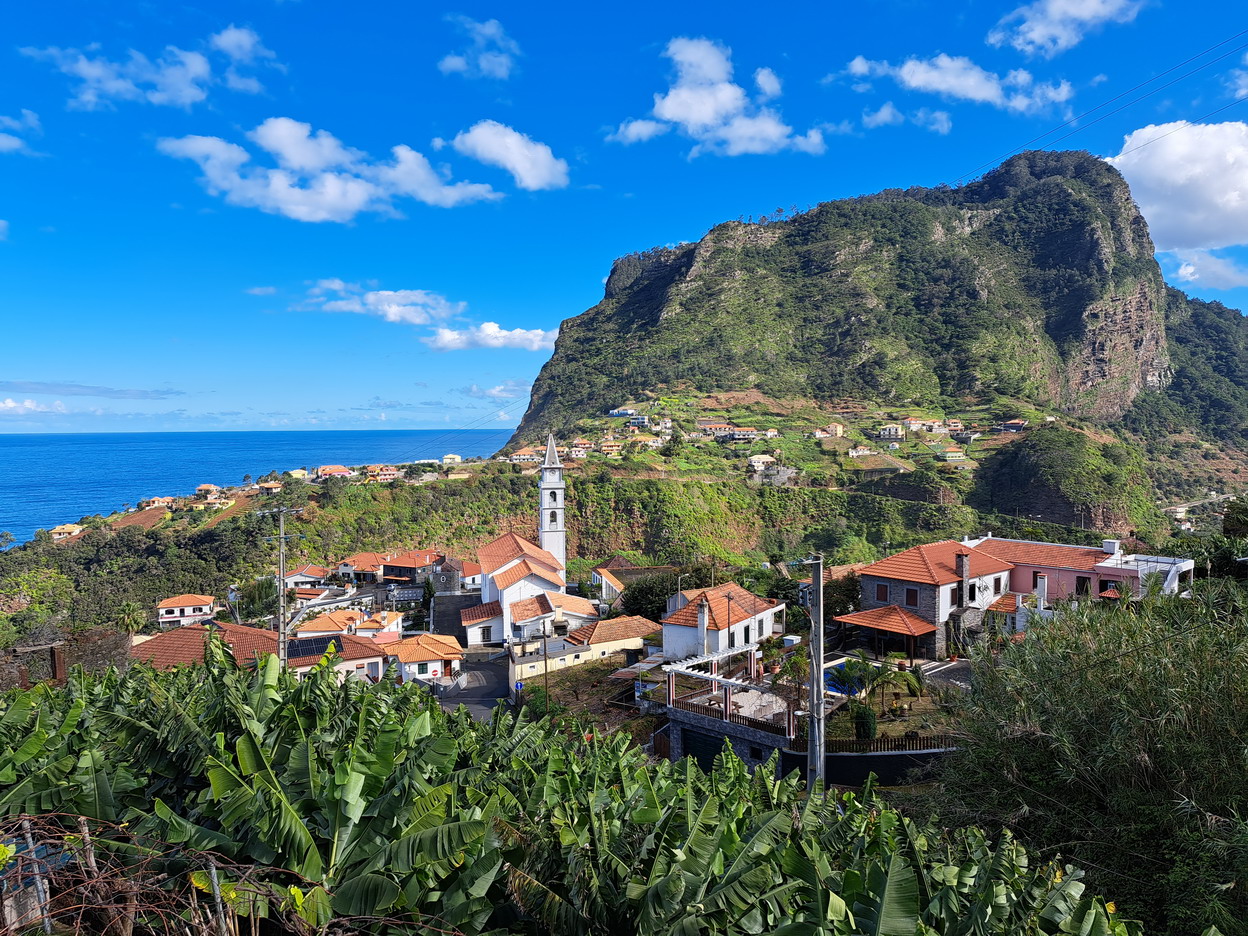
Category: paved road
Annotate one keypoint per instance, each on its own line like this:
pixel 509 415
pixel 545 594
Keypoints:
pixel 487 683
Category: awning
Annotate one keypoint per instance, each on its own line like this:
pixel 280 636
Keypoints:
pixel 890 618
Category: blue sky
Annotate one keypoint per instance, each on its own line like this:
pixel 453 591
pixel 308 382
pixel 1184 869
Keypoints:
pixel 320 215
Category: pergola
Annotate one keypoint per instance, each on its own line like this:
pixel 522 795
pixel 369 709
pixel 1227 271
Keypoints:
pixel 894 620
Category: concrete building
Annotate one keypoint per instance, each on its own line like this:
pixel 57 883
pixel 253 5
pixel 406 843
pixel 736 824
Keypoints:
pixel 714 620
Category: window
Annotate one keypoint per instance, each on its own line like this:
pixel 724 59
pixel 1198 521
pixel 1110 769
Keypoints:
pixel 756 753
pixel 554 518
pixel 1083 585
pixel 422 669
pixel 881 592
pixel 970 591
pixel 1035 580
pixel 554 498
pixel 1107 584
pixel 997 584
pixel 912 597
pixel 487 634
pixel 954 596
pixel 732 638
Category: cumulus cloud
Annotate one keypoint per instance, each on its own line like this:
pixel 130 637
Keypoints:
pixel 1190 181
pixel 492 335
pixel 1048 27
pixel 938 121
pixel 1202 268
pixel 507 390
pixel 12 407
pixel 490 53
pixel 705 105
pixel 888 115
pixel 533 165
pixel 317 178
pixel 76 389
pixel 26 124
pixel 175 78
pixel 960 78
pixel 1237 81
pixel 409 306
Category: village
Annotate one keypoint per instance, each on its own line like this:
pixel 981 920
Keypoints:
pixel 720 664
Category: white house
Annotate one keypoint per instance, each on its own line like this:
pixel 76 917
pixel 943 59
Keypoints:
pixel 760 462
pixel 892 431
pixel 306 575
pixel 427 657
pixel 711 620
pixel 185 609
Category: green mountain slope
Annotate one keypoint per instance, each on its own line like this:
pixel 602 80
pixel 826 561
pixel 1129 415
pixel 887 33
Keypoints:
pixel 1036 282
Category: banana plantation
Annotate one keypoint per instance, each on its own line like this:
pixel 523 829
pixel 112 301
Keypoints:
pixel 226 801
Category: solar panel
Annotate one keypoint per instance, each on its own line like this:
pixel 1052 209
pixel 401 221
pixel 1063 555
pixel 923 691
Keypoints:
pixel 311 646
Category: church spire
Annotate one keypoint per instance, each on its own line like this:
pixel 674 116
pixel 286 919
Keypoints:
pixel 552 456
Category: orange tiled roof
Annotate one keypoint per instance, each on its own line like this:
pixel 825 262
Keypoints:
pixel 744 604
pixel 509 546
pixel 1056 555
pixel 310 592
pixel 364 561
pixel 187 601
pixel 481 612
pixel 528 608
pixel 348 647
pixel 413 558
pixel 426 648
pixel 934 564
pixel 184 646
pixel 621 628
pixel 1006 604
pixel 335 621
pixel 509 577
pixel 309 569
pixel 470 569
pixel 890 618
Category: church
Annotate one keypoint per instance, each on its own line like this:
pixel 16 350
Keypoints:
pixel 524 584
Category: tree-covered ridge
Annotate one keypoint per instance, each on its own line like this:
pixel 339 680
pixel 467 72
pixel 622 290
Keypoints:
pixel 352 802
pixel 1037 281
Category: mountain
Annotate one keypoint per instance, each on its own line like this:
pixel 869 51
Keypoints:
pixel 1036 282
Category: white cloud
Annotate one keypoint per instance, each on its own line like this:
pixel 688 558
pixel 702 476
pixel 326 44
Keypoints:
pixel 407 306
pixel 260 290
pixel 176 78
pixel 708 107
pixel 317 178
pixel 4 230
pixel 1190 181
pixel 886 116
pixel 490 54
pixel 26 123
pixel 638 131
pixel 1237 81
pixel 938 121
pixel 1209 270
pixel 1048 27
pixel 507 390
pixel 533 165
pixel 491 335
pixel 960 78
pixel 12 407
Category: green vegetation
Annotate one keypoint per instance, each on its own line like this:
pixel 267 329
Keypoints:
pixel 1114 733
pixel 329 806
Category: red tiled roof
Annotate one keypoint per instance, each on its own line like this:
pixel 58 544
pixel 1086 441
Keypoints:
pixel 528 608
pixel 1055 555
pixel 332 621
pixel 744 605
pixel 413 558
pixel 1111 593
pixel 348 647
pixel 832 573
pixel 621 628
pixel 315 571
pixel 364 561
pixel 509 577
pixel 617 562
pixel 509 546
pixel 1006 604
pixel 471 569
pixel 184 646
pixel 890 618
pixel 310 593
pixel 187 601
pixel 481 612
pixel 935 564
pixel 426 648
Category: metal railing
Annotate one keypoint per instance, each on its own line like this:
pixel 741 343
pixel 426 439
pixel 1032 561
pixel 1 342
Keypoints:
pixel 882 745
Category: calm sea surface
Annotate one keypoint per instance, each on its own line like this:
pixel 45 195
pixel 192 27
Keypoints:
pixel 50 479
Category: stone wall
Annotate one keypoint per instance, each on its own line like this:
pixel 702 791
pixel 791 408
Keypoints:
pixel 702 737
pixel 96 649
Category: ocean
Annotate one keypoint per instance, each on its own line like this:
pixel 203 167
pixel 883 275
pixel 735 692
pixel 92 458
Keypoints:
pixel 48 479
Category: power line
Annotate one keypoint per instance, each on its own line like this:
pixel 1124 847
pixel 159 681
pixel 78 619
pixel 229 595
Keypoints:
pixel 1182 126
pixel 1119 96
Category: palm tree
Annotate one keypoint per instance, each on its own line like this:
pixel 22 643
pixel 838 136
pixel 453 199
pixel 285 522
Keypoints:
pixel 131 618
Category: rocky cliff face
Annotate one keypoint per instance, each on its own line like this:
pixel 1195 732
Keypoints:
pixel 1036 281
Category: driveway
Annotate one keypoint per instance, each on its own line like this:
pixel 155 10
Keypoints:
pixel 487 683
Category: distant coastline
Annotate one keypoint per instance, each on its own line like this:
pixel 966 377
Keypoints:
pixel 48 479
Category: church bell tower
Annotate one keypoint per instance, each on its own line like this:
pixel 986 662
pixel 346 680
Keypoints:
pixel 553 534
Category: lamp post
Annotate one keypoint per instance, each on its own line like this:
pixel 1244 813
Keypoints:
pixel 548 626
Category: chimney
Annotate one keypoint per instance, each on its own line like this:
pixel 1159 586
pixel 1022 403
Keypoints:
pixel 704 613
pixel 1042 591
pixel 962 565
pixel 1113 547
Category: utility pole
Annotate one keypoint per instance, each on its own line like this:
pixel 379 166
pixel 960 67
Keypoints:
pixel 815 742
pixel 283 639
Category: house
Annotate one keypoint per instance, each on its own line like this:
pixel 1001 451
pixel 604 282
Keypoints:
pixel 641 421
pixel 936 427
pixel 858 451
pixel 185 609
pixel 1012 425
pixel 451 459
pixel 333 471
pixel 913 424
pixel 951 453
pixel 711 620
pixel 622 412
pixel 577 450
pixel 381 626
pixel 891 431
pixel 207 490
pixel 310 595
pixel 965 436
pixel 953 425
pixel 338 621
pixel 590 642
pixel 610 636
pixel 461 573
pixel 298 474
pixel 716 429
pixel 356 657
pixel 65 530
pixel 381 473
pixel 168 503
pixel 744 434
pixel 525 456
pixel 361 567
pixel 648 441
pixel 427 657
pixel 604 576
pixel 269 487
pixel 760 462
pixel 410 566
pixel 771 433
pixel 928 597
pixel 610 447
pixel 305 575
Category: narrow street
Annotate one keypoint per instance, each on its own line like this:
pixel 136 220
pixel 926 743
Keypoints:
pixel 487 683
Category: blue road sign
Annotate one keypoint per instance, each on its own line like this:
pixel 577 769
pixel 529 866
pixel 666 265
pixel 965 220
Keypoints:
pixel 519 687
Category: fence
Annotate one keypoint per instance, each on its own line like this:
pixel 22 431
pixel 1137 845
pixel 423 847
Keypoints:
pixel 881 745
pixel 745 721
